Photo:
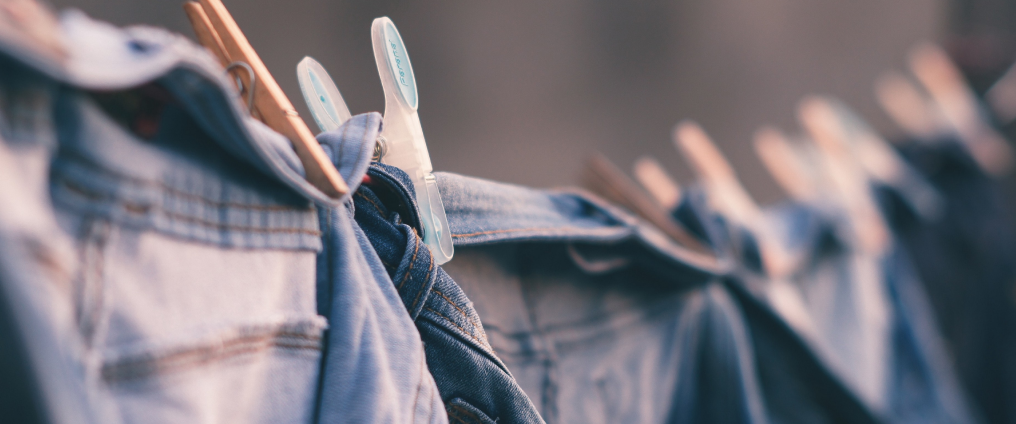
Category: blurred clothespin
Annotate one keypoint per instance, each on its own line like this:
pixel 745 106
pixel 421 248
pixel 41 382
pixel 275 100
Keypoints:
pixel 785 165
pixel 909 108
pixel 33 28
pixel 728 196
pixel 604 178
pixel 943 80
pixel 844 173
pixel 213 20
pixel 657 182
pixel 1002 96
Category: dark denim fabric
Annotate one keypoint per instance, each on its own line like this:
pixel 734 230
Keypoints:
pixel 797 383
pixel 474 384
pixel 600 318
pixel 375 365
pixel 965 260
pixel 919 384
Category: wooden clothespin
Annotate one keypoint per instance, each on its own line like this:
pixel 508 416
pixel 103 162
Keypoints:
pixel 218 32
pixel 604 178
pixel 958 103
pixel 1002 96
pixel 728 196
pixel 660 185
pixel 726 192
pixel 785 164
pixel 908 107
pixel 844 173
pixel 31 24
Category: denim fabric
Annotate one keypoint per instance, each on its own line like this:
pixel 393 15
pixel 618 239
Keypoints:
pixel 814 351
pixel 375 368
pixel 600 318
pixel 41 378
pixel 830 310
pixel 174 277
pixel 475 385
pixel 965 261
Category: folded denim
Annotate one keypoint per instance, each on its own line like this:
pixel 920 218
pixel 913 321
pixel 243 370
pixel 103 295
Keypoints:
pixel 964 260
pixel 475 385
pixel 804 376
pixel 827 312
pixel 182 277
pixel 599 317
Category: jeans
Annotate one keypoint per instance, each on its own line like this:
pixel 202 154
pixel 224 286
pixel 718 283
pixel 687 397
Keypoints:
pixel 964 259
pixel 475 385
pixel 862 318
pixel 184 270
pixel 600 318
pixel 376 369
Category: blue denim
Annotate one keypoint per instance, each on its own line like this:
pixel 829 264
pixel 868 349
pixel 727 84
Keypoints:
pixel 599 317
pixel 801 373
pixel 918 381
pixel 964 259
pixel 190 274
pixel 474 384
pixel 40 378
pixel 376 369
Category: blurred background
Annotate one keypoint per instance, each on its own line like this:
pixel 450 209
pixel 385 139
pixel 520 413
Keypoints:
pixel 524 91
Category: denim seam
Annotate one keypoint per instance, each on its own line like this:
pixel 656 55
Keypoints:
pixel 376 206
pixel 455 410
pixel 93 252
pixel 175 191
pixel 456 417
pixel 195 357
pixel 143 209
pixel 430 269
pixel 453 323
pixel 419 387
pixel 464 315
pixel 466 412
pixel 513 230
pixel 412 262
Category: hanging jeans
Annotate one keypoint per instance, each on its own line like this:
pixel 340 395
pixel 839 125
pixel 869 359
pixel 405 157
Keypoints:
pixel 599 318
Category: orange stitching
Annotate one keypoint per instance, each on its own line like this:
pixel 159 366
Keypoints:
pixel 466 411
pixel 138 367
pixel 453 323
pixel 379 210
pixel 411 263
pixel 136 209
pixel 178 192
pixel 429 269
pixel 464 315
pixel 512 230
pixel 457 418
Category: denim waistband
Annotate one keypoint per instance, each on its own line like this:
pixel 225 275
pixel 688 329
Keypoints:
pixel 482 212
pixel 102 57
pixel 175 184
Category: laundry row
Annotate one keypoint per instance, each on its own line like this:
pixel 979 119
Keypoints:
pixel 174 248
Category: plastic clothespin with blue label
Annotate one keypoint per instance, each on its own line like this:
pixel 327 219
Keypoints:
pixel 322 96
pixel 402 135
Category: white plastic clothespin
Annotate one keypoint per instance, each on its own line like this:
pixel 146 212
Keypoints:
pixel 401 140
pixel 322 96
pixel 402 135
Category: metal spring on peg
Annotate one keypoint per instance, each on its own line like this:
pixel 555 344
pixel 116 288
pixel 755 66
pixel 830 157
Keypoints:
pixel 239 83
